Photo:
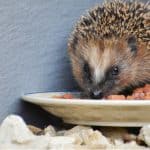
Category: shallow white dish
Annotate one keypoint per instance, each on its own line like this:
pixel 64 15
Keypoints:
pixel 129 113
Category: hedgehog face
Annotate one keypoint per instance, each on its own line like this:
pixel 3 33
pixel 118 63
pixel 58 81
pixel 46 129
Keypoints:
pixel 103 60
pixel 104 67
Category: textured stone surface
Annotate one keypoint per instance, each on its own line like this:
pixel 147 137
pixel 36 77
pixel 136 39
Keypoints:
pixel 14 134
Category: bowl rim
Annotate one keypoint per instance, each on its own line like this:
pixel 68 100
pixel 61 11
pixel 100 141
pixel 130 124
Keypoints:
pixel 37 98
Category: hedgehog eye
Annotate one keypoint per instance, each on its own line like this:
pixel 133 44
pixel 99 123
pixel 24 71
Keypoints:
pixel 115 71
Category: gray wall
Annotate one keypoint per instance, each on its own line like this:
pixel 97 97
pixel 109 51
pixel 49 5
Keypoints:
pixel 33 57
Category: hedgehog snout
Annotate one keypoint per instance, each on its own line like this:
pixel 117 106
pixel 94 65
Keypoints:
pixel 96 94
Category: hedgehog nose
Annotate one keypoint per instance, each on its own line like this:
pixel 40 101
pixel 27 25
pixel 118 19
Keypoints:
pixel 96 94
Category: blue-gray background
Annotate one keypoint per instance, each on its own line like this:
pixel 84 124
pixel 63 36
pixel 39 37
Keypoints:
pixel 33 52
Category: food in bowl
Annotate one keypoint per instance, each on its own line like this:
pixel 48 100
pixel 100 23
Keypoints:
pixel 138 94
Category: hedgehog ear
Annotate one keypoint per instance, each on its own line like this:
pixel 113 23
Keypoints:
pixel 132 43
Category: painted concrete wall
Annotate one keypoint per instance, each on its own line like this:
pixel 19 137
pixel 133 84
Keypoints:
pixel 33 57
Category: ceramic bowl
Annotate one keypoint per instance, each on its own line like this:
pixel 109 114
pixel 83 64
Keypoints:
pixel 127 113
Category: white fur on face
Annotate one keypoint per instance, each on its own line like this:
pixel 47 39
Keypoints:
pixel 100 63
pixel 98 75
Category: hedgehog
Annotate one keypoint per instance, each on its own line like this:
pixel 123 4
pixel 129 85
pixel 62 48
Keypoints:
pixel 109 48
